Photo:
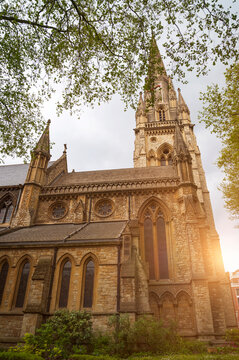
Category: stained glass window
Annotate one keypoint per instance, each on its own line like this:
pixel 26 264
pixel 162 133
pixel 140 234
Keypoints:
pixel 162 248
pixel 21 293
pixel 155 244
pixel 89 284
pixel 3 278
pixel 149 246
pixel 65 284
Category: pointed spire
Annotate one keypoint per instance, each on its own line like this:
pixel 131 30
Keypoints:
pixel 180 147
pixel 43 145
pixel 182 105
pixel 141 105
pixel 156 65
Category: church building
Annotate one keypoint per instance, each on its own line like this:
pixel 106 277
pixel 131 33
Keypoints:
pixel 138 241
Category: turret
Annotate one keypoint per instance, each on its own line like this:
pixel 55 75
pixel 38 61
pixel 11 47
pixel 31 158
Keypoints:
pixel 182 157
pixel 39 159
pixel 36 178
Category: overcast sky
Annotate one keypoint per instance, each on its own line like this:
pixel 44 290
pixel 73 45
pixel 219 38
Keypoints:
pixel 103 138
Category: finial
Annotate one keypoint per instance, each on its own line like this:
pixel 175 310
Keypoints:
pixel 65 148
pixel 48 121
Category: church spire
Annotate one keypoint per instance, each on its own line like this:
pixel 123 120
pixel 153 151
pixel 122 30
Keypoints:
pixel 156 65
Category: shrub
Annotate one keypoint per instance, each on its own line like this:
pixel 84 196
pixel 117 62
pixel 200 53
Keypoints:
pixel 193 347
pixel 91 357
pixel 148 334
pixel 232 335
pixel 144 335
pixel 8 355
pixel 63 333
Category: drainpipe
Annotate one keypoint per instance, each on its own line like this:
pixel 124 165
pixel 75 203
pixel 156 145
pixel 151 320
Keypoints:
pixel 118 281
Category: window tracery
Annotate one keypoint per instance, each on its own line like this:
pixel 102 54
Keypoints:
pixel 155 245
pixel 165 155
pixel 6 209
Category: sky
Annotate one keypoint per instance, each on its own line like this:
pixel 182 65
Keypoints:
pixel 103 138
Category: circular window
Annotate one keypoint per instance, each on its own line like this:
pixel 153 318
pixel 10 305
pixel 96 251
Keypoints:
pixel 153 139
pixel 58 210
pixel 104 207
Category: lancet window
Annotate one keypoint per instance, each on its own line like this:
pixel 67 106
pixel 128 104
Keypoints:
pixel 3 277
pixel 155 242
pixel 22 284
pixel 89 279
pixel 161 115
pixel 6 209
pixel 65 284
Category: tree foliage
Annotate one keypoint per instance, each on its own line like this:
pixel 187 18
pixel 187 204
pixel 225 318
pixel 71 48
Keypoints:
pixel 94 48
pixel 221 114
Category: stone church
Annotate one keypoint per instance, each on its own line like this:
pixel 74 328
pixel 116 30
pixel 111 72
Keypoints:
pixel 138 241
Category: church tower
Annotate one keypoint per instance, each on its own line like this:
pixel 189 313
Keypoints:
pixel 165 140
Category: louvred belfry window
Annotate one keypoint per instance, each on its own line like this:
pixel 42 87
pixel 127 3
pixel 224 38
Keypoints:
pixel 155 244
pixel 65 284
pixel 3 277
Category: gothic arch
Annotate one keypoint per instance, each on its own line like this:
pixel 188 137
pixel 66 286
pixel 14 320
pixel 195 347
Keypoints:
pixel 154 238
pixel 23 278
pixel 165 154
pixel 64 256
pixel 154 304
pixel 64 282
pixel 184 313
pixel 163 207
pixel 4 275
pixel 7 205
pixel 167 304
pixel 90 268
pixel 89 255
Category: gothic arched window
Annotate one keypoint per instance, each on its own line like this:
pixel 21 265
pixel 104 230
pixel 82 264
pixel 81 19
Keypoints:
pixel 89 275
pixel 155 245
pixel 165 155
pixel 3 277
pixel 22 284
pixel 65 284
pixel 6 209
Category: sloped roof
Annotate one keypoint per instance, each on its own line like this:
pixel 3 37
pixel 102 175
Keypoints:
pixel 14 174
pixel 141 173
pixel 65 232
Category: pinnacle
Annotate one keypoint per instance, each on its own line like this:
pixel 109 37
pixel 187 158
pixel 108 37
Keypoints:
pixel 179 143
pixel 181 100
pixel 43 144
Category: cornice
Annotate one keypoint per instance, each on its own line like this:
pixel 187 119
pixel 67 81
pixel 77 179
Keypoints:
pixel 162 184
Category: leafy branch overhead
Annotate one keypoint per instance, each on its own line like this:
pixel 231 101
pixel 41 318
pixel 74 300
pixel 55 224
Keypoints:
pixel 94 49
pixel 221 114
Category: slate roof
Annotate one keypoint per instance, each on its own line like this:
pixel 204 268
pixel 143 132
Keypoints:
pixel 116 175
pixel 14 174
pixel 65 232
